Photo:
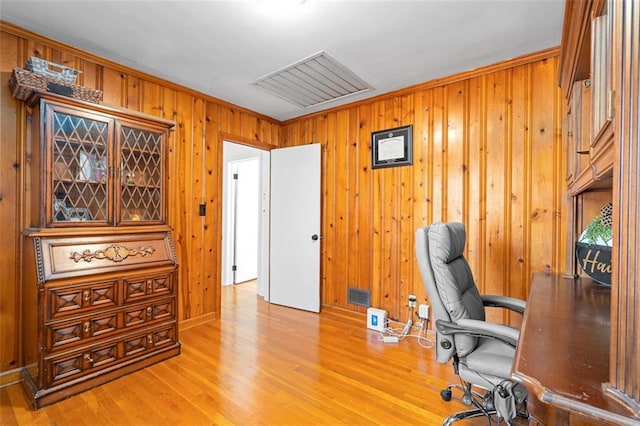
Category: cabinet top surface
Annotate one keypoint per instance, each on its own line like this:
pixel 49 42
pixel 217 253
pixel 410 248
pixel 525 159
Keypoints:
pixel 104 108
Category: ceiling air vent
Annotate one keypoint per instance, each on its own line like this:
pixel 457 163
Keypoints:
pixel 312 81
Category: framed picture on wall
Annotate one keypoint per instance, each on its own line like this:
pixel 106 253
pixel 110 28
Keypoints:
pixel 392 147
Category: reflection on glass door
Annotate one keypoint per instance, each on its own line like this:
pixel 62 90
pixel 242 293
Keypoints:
pixel 79 172
pixel 140 175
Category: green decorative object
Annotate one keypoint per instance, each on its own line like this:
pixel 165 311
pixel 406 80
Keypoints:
pixel 593 249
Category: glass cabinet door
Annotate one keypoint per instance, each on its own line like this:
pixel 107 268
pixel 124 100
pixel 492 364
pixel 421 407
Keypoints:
pixel 141 174
pixel 80 157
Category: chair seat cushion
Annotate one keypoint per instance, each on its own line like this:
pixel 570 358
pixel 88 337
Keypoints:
pixel 492 357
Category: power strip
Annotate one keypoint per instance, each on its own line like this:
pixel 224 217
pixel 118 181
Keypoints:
pixel 390 339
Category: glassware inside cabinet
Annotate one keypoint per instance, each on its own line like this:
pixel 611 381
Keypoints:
pixel 79 172
pixel 141 174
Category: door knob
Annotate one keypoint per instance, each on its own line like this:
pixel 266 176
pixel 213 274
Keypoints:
pixel 315 237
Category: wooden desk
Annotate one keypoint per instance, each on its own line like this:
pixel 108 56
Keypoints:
pixel 563 353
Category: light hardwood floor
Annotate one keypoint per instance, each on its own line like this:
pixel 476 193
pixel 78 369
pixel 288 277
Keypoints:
pixel 264 364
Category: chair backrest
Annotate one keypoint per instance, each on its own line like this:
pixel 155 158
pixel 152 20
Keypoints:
pixel 449 283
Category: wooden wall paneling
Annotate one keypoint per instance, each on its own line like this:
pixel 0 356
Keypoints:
pixel 113 82
pixel 248 125
pixel 329 265
pixel 235 122
pixel 151 98
pixel 388 220
pixel 379 297
pixel 212 233
pixel 132 92
pixel 65 58
pixel 389 229
pixel 34 48
pixel 352 207
pixel 456 179
pixel 341 253
pixel 437 123
pixel 421 189
pixel 10 202
pixel 544 157
pixel 316 131
pixel 198 223
pixel 183 198
pixel 406 225
pixel 520 150
pixel 476 171
pixel 492 281
pixel 344 192
pixel 363 200
pixel 91 75
pixel 560 212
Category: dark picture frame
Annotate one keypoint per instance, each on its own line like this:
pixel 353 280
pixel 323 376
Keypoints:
pixel 392 147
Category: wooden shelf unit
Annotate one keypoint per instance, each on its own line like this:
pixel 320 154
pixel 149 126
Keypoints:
pixel 577 353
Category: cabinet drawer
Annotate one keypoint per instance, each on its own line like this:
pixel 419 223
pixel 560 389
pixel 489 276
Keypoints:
pixel 61 334
pixel 75 299
pixel 150 340
pixel 64 333
pixel 87 360
pixel 138 288
pixel 155 311
pixel 72 365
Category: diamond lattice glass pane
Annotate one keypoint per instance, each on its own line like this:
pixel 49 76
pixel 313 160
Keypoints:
pixel 79 178
pixel 141 156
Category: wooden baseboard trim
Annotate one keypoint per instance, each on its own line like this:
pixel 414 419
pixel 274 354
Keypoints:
pixel 11 377
pixel 193 322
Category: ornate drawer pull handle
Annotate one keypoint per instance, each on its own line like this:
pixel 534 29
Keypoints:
pixel 85 295
pixel 150 339
pixel 86 326
pixel 115 252
pixel 149 311
pixel 149 284
pixel 88 358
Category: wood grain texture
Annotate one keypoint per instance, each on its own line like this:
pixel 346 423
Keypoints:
pixel 194 170
pixel 487 151
pixel 478 158
pixel 624 373
pixel 264 364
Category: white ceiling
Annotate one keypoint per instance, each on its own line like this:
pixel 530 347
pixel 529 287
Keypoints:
pixel 221 47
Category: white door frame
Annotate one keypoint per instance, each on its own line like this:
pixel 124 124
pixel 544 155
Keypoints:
pixel 232 151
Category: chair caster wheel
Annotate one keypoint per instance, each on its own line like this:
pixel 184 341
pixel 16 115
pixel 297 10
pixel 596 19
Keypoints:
pixel 445 394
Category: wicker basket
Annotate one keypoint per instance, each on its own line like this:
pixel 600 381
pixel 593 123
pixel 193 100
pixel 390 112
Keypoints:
pixel 23 83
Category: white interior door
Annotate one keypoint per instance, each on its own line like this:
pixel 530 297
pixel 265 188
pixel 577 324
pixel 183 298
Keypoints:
pixel 295 227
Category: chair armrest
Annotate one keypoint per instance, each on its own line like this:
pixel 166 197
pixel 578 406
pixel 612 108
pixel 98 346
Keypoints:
pixel 504 333
pixel 511 303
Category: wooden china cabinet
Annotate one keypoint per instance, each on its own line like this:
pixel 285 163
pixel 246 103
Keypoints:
pixel 99 263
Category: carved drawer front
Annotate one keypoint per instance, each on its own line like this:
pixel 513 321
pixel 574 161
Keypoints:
pixel 75 299
pixel 80 256
pixel 67 367
pixel 137 288
pixel 152 339
pixel 68 332
pixel 141 314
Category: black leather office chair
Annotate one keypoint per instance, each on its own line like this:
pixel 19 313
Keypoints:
pixel 482 352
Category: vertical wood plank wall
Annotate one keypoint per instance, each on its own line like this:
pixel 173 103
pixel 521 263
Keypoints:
pixel 195 155
pixel 487 151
